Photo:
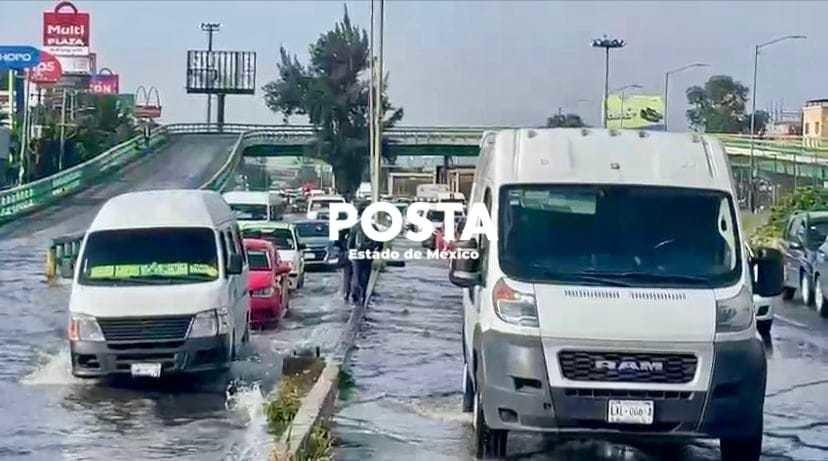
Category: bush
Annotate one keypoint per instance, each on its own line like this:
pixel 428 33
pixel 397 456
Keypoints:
pixel 802 199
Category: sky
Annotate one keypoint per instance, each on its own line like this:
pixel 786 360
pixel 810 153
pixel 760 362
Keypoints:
pixel 465 63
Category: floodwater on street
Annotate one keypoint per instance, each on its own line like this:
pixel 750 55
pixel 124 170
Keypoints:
pixel 407 369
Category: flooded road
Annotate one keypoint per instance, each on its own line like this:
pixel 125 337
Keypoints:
pixel 50 415
pixel 407 368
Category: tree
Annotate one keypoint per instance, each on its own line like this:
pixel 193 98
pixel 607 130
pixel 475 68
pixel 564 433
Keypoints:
pixel 332 91
pixel 719 107
pixel 564 121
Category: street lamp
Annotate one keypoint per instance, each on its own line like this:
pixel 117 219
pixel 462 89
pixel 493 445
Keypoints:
pixel 607 43
pixel 210 28
pixel 752 193
pixel 622 90
pixel 667 83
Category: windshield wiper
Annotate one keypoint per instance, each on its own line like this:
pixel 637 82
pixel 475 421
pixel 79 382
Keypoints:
pixel 597 278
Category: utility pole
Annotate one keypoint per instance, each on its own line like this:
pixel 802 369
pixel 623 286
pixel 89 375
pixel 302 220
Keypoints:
pixel 376 155
pixel 210 28
pixel 607 44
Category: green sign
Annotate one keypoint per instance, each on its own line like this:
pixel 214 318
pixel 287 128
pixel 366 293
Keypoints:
pixel 639 111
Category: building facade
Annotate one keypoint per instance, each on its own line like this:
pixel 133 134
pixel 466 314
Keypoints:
pixel 814 118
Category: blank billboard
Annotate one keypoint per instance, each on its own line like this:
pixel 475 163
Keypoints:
pixel 221 72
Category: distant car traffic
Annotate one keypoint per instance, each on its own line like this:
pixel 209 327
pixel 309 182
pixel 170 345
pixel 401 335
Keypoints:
pixel 804 233
pixel 283 236
pixel 319 250
pixel 321 203
pixel 268 283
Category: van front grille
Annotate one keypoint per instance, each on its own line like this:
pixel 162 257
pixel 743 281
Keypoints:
pixel 633 367
pixel 173 328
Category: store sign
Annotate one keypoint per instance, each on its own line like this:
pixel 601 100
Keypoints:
pixel 48 71
pixel 75 64
pixel 18 57
pixel 68 50
pixel 635 111
pixel 104 84
pixel 63 28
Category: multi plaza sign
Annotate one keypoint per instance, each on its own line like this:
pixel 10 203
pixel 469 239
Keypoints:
pixel 62 29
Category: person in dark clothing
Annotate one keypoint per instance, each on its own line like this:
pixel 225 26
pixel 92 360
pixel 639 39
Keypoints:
pixel 345 263
pixel 361 268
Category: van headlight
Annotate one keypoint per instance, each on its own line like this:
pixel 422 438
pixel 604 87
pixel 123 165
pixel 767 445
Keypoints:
pixel 736 313
pixel 84 327
pixel 515 307
pixel 210 323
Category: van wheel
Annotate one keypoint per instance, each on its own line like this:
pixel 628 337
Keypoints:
pixel 468 391
pixel 742 449
pixel 806 289
pixel 788 293
pixel 488 442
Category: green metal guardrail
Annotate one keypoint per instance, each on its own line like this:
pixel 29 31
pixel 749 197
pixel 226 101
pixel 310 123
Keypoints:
pixel 30 197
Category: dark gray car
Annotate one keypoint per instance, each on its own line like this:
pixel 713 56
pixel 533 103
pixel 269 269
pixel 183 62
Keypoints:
pixel 804 234
pixel 320 250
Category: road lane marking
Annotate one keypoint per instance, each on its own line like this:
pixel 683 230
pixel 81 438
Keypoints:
pixel 792 322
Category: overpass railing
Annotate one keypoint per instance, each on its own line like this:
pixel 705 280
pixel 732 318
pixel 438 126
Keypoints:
pixel 35 195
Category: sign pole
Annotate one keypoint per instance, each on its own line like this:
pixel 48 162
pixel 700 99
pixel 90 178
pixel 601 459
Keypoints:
pixel 24 132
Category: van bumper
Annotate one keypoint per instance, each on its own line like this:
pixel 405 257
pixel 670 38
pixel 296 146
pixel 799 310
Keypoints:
pixel 92 359
pixel 517 395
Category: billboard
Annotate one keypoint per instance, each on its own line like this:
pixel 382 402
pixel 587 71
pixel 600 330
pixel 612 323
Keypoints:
pixel 48 71
pixel 104 82
pixel 639 111
pixel 66 29
pixel 221 72
pixel 75 64
pixel 18 57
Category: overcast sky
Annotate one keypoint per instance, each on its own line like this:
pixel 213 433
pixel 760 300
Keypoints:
pixel 466 63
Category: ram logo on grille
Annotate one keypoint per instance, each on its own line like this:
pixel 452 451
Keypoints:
pixel 632 365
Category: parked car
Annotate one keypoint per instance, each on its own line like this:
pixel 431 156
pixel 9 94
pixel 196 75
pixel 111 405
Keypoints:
pixel 820 276
pixel 160 287
pixel 804 233
pixel 283 236
pixel 320 251
pixel 616 300
pixel 268 283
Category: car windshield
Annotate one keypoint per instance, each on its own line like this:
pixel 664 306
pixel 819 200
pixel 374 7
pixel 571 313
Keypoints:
pixel 149 256
pixel 436 216
pixel 323 204
pixel 247 212
pixel 258 261
pixel 282 238
pixel 633 235
pixel 310 229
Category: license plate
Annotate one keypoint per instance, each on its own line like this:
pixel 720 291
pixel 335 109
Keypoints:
pixel 149 370
pixel 630 411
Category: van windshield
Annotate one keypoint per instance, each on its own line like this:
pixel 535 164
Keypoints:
pixel 149 256
pixel 248 212
pixel 619 235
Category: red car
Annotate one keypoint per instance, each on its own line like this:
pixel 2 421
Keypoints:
pixel 268 282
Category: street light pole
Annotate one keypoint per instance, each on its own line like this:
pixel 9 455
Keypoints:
pixel 607 44
pixel 667 84
pixel 757 48
pixel 210 28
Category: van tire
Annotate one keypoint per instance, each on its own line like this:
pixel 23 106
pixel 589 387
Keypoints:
pixel 742 449
pixel 489 442
pixel 805 289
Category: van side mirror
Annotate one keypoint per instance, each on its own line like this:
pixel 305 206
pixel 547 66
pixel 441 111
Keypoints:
pixel 465 272
pixel 769 272
pixel 234 265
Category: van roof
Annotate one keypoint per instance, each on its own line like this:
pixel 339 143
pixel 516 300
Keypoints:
pixel 251 197
pixel 162 208
pixel 324 198
pixel 600 156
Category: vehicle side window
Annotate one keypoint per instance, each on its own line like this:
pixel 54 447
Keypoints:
pixel 799 230
pixel 223 246
pixel 484 244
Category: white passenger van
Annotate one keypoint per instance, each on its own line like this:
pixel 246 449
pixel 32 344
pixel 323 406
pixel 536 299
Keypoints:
pixel 255 206
pixel 616 300
pixel 321 204
pixel 160 287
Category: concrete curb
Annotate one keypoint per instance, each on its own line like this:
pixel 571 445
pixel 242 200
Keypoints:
pixel 319 404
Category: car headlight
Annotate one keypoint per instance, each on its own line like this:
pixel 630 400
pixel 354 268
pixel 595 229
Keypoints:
pixel 736 313
pixel 84 328
pixel 263 293
pixel 210 323
pixel 513 306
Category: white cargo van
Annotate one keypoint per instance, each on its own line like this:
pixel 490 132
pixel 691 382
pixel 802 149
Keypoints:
pixel 160 287
pixel 321 204
pixel 617 299
pixel 255 206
